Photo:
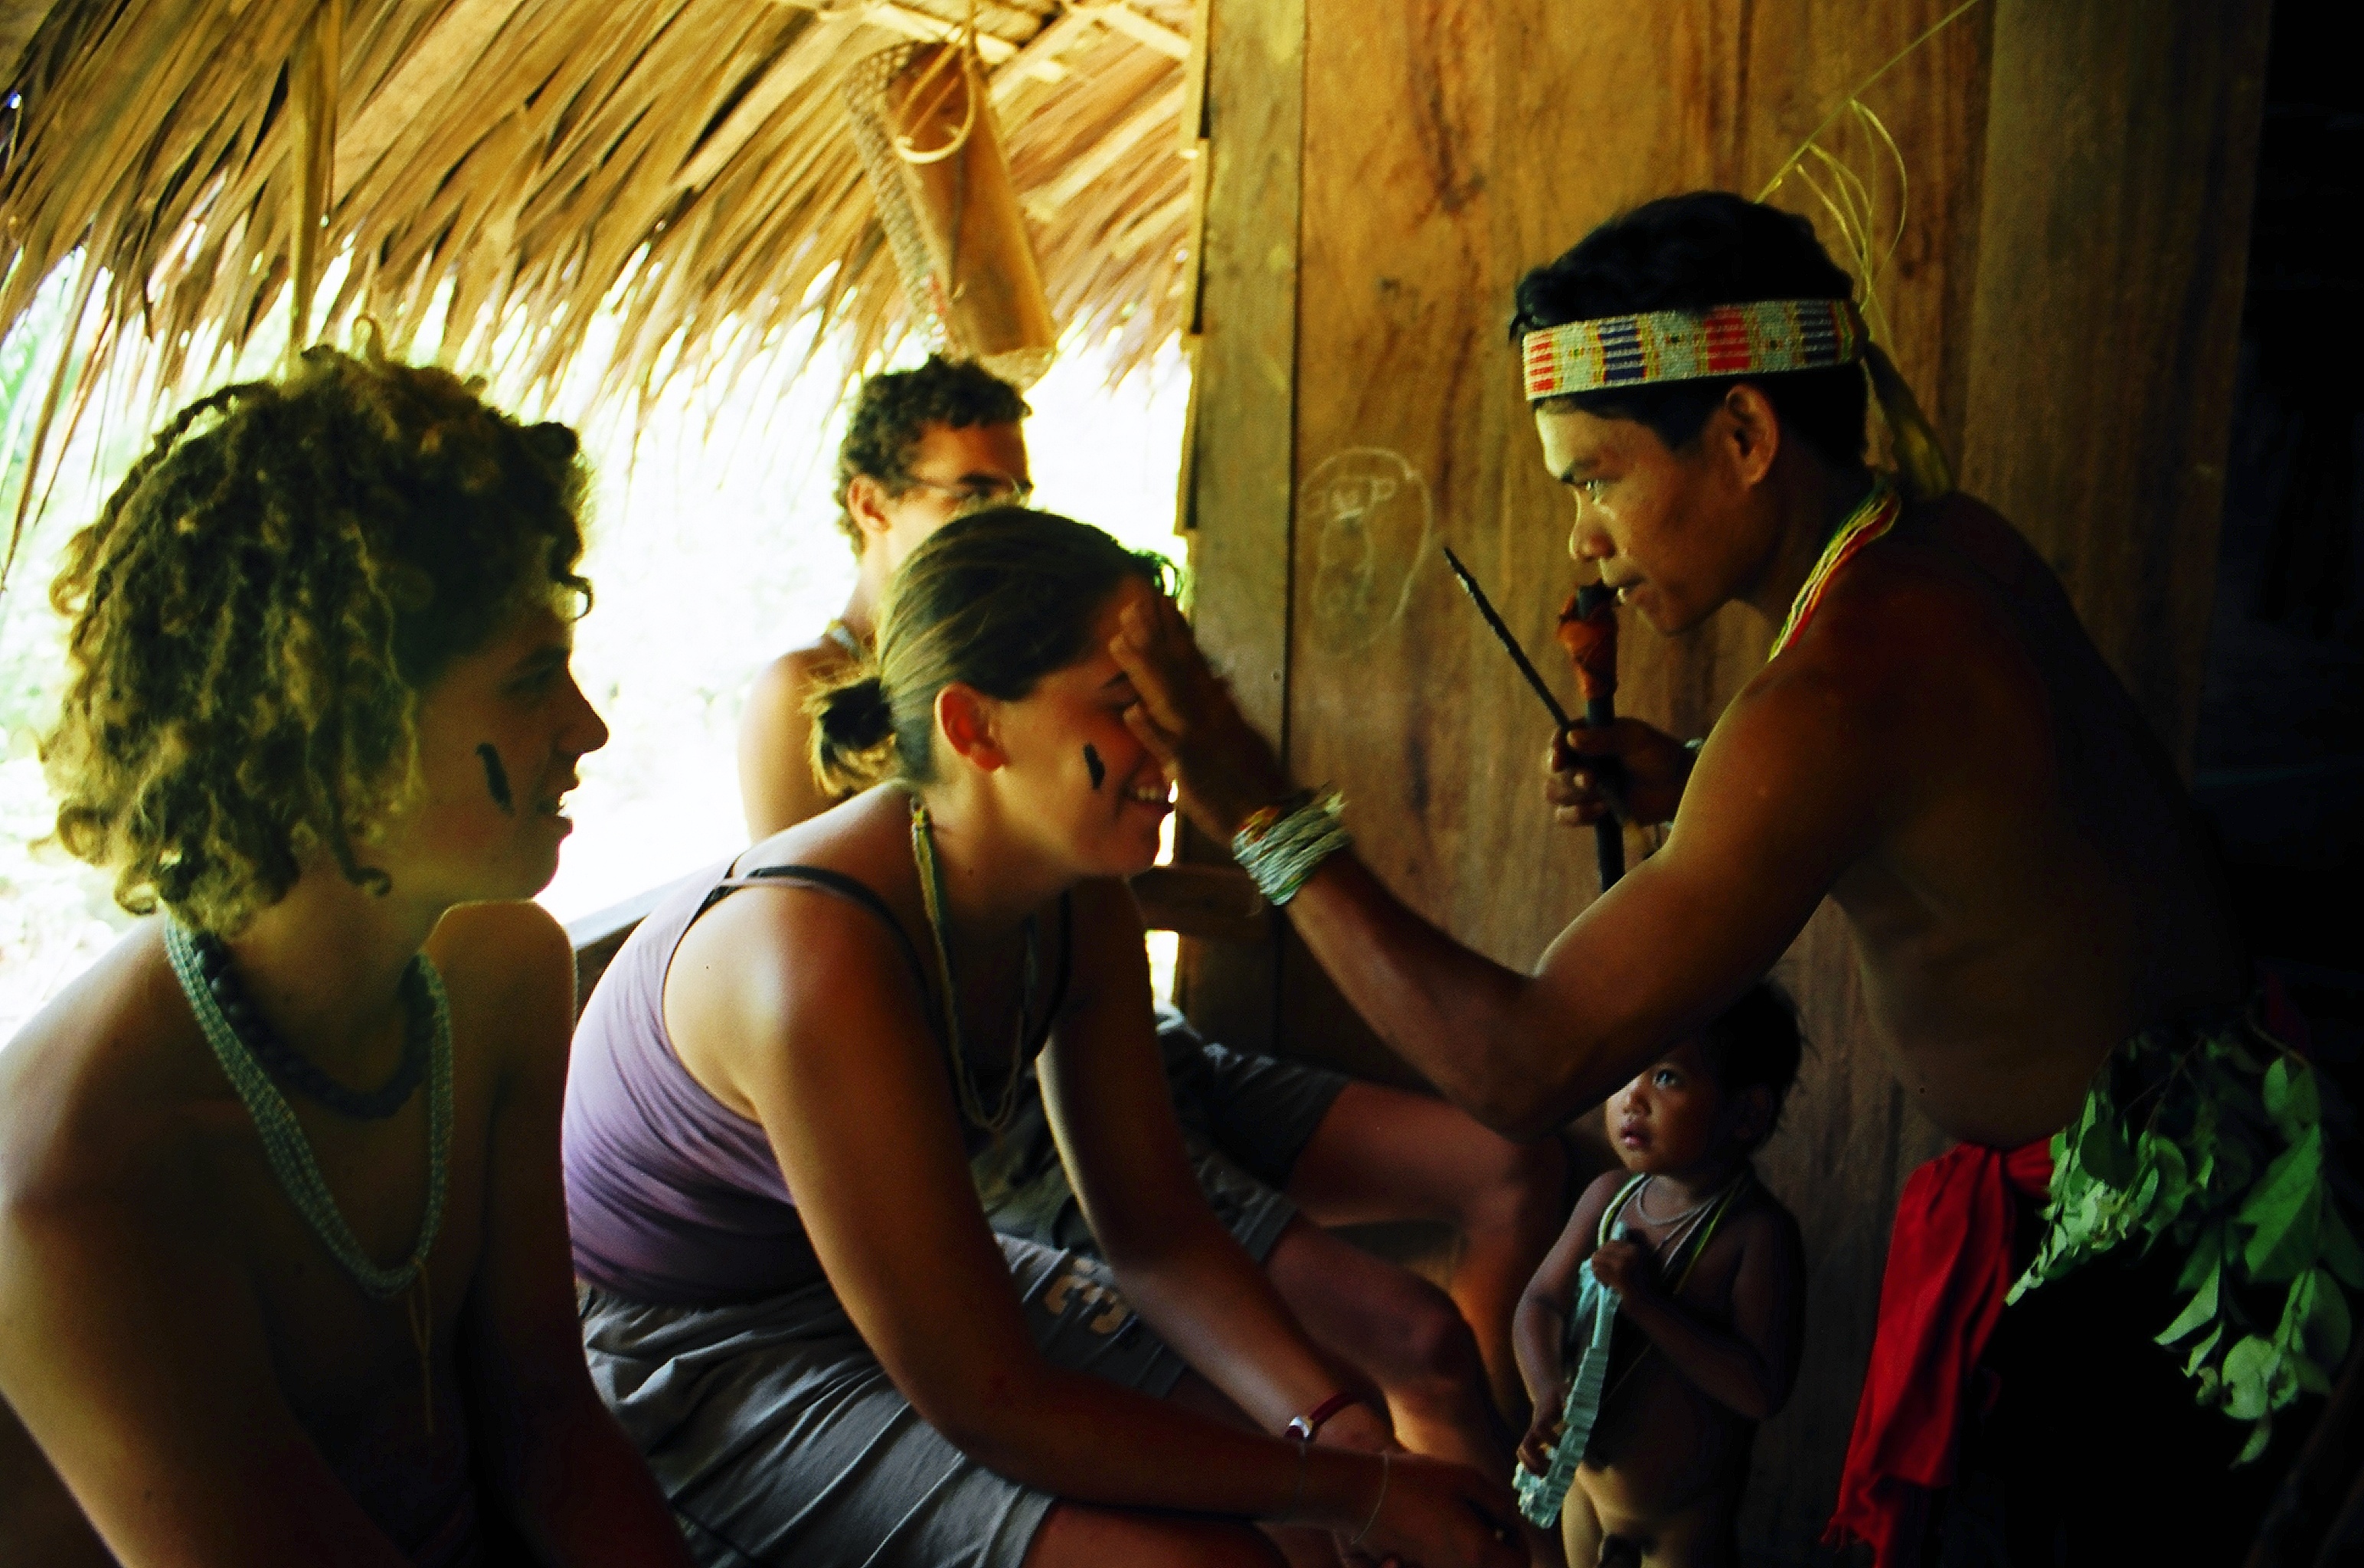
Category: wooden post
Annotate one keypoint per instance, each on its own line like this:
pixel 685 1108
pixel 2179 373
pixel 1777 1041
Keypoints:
pixel 1242 437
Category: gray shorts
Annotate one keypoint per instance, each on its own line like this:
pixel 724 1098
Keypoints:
pixel 778 1439
pixel 1245 1119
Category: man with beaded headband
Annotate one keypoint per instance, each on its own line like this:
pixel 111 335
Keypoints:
pixel 284 1274
pixel 1936 747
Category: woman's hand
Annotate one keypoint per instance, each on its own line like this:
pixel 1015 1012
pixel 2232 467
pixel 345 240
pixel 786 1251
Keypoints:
pixel 1188 719
pixel 1543 1433
pixel 1654 766
pixel 1436 1515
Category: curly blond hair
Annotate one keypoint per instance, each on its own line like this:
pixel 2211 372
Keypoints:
pixel 262 602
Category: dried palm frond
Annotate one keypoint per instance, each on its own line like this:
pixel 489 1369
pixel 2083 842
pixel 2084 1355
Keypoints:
pixel 1849 197
pixel 490 178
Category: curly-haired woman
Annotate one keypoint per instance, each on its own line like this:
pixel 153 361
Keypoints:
pixel 283 1265
pixel 794 1301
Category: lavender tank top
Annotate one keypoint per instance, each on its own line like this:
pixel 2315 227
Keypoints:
pixel 671 1197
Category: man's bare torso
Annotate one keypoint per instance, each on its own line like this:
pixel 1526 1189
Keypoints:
pixel 2038 887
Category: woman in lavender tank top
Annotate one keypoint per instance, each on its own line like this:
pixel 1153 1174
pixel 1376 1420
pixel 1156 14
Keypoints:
pixel 790 1295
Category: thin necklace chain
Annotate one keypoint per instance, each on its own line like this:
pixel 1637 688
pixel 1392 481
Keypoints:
pixel 1641 1204
pixel 937 900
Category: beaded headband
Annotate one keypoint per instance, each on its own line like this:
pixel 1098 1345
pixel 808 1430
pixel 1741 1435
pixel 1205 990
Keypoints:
pixel 1761 339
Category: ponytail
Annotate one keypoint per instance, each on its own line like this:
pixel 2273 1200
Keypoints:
pixel 853 730
pixel 995 600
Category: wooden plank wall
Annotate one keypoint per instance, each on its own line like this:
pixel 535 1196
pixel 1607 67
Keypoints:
pixel 2069 323
pixel 1243 454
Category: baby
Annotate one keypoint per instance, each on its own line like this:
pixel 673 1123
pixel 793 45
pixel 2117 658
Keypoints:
pixel 1641 1437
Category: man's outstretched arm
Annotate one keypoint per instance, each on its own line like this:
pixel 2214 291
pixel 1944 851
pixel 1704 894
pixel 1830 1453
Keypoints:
pixel 1783 799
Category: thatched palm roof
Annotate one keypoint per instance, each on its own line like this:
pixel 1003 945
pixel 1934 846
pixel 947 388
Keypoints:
pixel 684 163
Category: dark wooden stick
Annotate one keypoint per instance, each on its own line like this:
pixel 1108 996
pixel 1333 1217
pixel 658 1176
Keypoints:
pixel 1600 711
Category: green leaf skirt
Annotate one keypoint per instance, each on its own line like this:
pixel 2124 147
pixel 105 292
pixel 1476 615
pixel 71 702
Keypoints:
pixel 2216 1138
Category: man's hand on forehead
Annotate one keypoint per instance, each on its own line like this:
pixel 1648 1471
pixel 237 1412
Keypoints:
pixel 1186 717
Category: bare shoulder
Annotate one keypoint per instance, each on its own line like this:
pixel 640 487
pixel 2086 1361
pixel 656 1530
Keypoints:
pixel 110 1086
pixel 781 686
pixel 1917 628
pixel 764 953
pixel 508 969
pixel 509 950
pixel 1760 1220
pixel 1585 1221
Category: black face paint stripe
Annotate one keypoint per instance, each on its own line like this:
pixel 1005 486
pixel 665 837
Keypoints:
pixel 1092 761
pixel 496 778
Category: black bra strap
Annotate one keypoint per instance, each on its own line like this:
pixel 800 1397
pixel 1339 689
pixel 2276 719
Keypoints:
pixel 827 880
pixel 858 892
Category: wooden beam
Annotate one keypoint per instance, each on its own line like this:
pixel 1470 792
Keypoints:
pixel 927 28
pixel 1213 904
pixel 1241 481
pixel 1118 16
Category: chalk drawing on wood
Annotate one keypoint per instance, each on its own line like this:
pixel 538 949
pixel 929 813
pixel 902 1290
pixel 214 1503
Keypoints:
pixel 1372 520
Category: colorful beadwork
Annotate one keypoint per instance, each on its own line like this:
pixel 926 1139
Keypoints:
pixel 1873 516
pixel 1763 338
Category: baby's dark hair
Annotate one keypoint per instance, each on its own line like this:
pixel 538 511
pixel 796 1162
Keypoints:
pixel 1689 253
pixel 1756 1041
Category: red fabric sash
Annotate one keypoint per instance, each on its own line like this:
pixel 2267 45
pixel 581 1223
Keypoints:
pixel 1949 1266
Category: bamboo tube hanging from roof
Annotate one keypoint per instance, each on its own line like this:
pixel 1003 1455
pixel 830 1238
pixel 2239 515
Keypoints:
pixel 925 123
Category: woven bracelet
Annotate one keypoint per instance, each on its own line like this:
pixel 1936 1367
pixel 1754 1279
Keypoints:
pixel 1281 851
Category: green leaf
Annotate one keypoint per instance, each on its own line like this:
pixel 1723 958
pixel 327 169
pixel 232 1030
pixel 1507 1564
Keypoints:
pixel 2249 1375
pixel 2330 1324
pixel 2282 1212
pixel 2296 1303
pixel 2293 1252
pixel 2202 1350
pixel 2201 1308
pixel 2103 1151
pixel 2292 1098
pixel 2339 1253
pixel 2207 1257
pixel 2174 1177
pixel 2283 1383
pixel 2259 1436
pixel 2230 1163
